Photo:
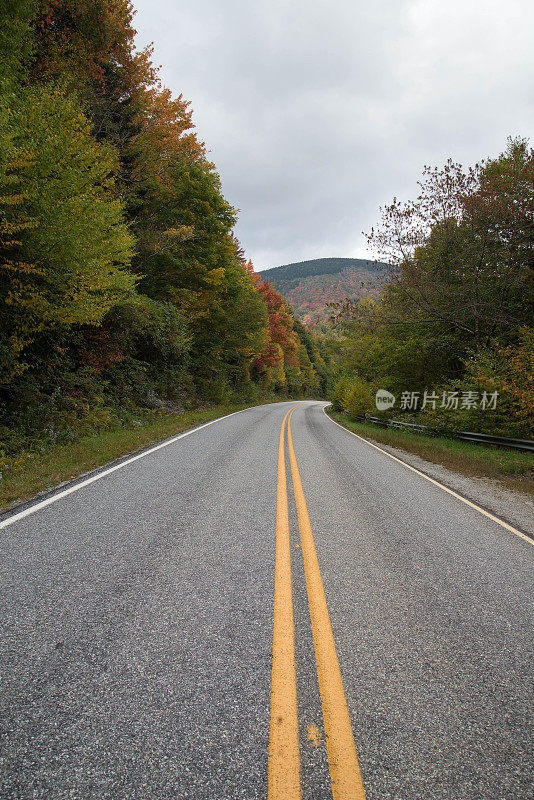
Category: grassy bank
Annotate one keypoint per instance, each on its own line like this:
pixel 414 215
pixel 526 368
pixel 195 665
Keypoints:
pixel 511 467
pixel 30 472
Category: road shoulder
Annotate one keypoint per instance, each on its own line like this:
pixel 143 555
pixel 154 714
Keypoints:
pixel 515 508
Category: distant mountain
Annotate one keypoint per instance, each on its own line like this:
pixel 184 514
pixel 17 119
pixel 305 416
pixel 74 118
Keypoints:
pixel 310 285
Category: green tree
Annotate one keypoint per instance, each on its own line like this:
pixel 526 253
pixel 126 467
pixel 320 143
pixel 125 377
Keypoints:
pixel 72 231
pixel 456 311
pixel 139 351
pixel 16 41
pixel 461 254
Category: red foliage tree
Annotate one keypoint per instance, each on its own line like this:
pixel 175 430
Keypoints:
pixel 282 342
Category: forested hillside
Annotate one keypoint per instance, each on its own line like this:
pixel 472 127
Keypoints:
pixel 122 284
pixel 311 286
pixel 451 334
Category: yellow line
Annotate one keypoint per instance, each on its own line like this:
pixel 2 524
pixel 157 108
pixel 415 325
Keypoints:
pixel 284 758
pixel 342 759
pixel 487 514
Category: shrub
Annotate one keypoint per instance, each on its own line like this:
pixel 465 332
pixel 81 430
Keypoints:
pixel 340 394
pixel 359 398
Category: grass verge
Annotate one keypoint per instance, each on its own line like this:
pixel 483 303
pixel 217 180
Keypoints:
pixel 32 472
pixel 512 468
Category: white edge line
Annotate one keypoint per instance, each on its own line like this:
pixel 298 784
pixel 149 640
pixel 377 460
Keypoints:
pixel 436 483
pixel 55 497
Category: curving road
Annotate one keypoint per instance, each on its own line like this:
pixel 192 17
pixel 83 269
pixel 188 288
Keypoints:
pixel 136 621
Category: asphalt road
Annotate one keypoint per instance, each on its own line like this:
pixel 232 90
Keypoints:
pixel 136 620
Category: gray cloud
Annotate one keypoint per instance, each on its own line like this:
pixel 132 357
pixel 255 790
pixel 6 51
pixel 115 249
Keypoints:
pixel 316 113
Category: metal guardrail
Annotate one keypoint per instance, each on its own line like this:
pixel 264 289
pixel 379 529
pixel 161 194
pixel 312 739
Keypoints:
pixel 499 441
pixel 467 436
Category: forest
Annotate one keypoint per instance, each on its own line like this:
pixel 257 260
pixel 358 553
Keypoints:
pixel 122 284
pixel 450 333
pixel 123 288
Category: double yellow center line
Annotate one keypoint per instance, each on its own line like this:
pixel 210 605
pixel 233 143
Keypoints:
pixel 284 758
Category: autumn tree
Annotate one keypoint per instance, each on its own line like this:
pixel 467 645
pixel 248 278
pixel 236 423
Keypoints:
pixel 461 254
pixel 279 353
pixel 66 262
pixel 457 305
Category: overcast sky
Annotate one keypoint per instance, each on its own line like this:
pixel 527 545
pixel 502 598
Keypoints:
pixel 317 112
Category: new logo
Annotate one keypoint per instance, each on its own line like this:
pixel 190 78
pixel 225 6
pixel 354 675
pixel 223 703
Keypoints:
pixel 384 400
